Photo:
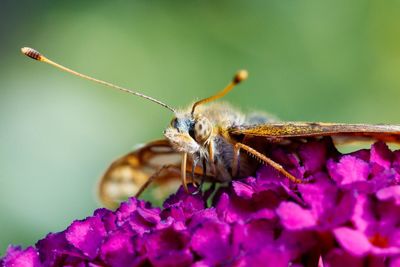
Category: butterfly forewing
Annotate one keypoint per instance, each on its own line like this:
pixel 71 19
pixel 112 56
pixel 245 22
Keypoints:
pixel 386 133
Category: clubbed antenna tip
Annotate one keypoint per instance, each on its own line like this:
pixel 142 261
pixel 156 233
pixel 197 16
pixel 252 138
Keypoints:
pixel 240 76
pixel 32 53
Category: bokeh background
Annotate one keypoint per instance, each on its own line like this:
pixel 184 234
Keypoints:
pixel 308 60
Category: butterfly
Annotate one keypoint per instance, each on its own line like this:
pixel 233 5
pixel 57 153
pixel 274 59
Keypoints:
pixel 212 142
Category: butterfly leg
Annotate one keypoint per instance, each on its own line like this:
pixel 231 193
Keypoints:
pixel 156 175
pixel 183 172
pixel 194 164
pixel 199 187
pixel 211 157
pixel 261 157
pixel 202 179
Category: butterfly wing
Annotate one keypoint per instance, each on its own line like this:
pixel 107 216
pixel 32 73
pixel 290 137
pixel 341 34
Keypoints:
pixel 386 133
pixel 128 173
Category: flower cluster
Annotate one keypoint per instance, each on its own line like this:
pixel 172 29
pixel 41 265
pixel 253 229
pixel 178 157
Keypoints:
pixel 346 213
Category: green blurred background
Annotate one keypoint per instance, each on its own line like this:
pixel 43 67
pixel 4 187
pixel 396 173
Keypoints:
pixel 308 60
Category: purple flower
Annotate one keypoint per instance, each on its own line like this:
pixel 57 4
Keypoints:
pixel 347 212
pixel 366 171
pixel 168 247
pixel 119 250
pixel 388 193
pixel 326 207
pixel 376 229
pixel 15 256
pixel 87 236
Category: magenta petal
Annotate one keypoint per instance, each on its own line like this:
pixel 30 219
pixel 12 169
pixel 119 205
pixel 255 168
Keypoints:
pixel 189 202
pixel 268 257
pixel 349 170
pixel 125 209
pixel 332 168
pixel 175 212
pixel 284 157
pixel 202 217
pixel 320 195
pixel 222 207
pixel 313 155
pixel 391 192
pixel 329 206
pixel 211 241
pixel 52 248
pixel 167 239
pixel 201 264
pixel 168 247
pixel 108 218
pixel 232 208
pixel 395 262
pixel 242 189
pixel 17 257
pixel 263 214
pixel 254 235
pixel 343 210
pixel 268 174
pixel 396 158
pixel 294 217
pixel 150 215
pixel 86 235
pixel 181 206
pixel 143 219
pixel 363 216
pixel 297 242
pixel 172 259
pixel 352 241
pixel 363 154
pixel 118 250
pixel 381 154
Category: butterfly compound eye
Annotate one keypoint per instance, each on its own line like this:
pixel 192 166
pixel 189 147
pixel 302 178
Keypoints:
pixel 202 129
pixel 174 122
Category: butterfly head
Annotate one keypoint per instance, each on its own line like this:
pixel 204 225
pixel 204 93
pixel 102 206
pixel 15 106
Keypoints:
pixel 188 133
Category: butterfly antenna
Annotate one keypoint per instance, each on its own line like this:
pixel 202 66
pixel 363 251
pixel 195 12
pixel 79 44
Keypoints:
pixel 240 76
pixel 32 53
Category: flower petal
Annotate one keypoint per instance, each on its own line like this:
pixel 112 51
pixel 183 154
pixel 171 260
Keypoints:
pixel 381 154
pixel 168 247
pixel 352 241
pixel 242 189
pixel 391 192
pixel 212 243
pixel 349 170
pixel 117 250
pixel 294 217
pixel 313 156
pixel 86 235
pixel 53 247
pixel 17 257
